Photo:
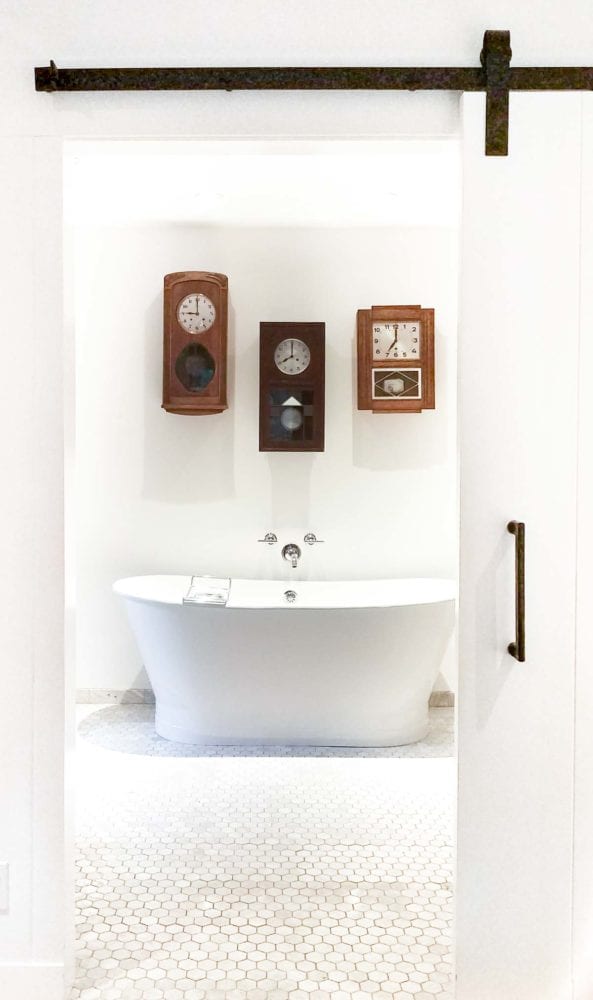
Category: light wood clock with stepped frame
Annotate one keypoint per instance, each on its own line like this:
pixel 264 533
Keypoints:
pixel 195 342
pixel 395 348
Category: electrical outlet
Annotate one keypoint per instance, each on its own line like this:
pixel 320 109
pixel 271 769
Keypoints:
pixel 4 888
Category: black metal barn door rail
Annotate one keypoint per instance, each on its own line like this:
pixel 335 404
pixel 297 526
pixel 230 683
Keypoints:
pixel 495 76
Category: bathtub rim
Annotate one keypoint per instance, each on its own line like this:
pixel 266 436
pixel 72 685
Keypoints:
pixel 312 595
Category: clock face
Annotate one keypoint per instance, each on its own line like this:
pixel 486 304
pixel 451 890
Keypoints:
pixel 196 313
pixel 399 340
pixel 292 357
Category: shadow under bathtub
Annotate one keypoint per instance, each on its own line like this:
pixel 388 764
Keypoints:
pixel 130 729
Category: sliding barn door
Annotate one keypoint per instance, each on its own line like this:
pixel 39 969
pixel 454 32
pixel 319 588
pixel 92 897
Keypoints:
pixel 519 340
pixel 583 819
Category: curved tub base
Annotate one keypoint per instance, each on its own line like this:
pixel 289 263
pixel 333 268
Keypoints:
pixel 357 672
pixel 168 726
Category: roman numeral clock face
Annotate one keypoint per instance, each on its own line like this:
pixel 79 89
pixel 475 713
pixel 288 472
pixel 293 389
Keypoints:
pixel 397 341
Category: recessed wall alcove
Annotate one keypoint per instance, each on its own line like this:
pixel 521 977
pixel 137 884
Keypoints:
pixel 305 230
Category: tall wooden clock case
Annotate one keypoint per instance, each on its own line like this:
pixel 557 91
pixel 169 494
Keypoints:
pixel 195 342
pixel 292 387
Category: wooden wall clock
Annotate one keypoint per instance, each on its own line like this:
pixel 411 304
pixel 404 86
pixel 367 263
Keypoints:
pixel 195 342
pixel 292 387
pixel 395 359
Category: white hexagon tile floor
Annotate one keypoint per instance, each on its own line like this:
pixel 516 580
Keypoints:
pixel 262 877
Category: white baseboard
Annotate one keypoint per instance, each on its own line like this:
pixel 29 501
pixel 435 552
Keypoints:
pixel 145 696
pixel 32 981
pixel 105 696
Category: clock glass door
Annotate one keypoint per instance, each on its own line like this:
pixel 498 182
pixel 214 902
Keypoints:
pixel 195 367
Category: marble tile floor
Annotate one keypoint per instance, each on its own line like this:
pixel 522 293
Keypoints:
pixel 260 877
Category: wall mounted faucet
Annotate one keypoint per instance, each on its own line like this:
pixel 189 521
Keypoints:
pixel 292 553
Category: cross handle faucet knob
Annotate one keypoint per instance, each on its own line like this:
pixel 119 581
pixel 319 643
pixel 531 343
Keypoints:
pixel 311 539
pixel 269 538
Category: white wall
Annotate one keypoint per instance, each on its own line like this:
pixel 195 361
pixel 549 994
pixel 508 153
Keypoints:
pixel 86 32
pixel 583 777
pixel 158 492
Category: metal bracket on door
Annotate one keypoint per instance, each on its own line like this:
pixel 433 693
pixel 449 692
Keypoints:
pixel 494 76
pixel 517 648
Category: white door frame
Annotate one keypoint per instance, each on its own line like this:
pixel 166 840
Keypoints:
pixel 69 478
pixel 35 434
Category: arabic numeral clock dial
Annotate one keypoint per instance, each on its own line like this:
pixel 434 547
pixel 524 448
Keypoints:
pixel 395 347
pixel 196 313
pixel 396 340
pixel 292 386
pixel 195 342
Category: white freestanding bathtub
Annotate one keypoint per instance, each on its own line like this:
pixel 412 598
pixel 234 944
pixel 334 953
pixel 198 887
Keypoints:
pixel 347 663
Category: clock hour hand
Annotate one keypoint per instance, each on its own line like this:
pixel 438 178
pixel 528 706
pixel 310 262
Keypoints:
pixel 394 339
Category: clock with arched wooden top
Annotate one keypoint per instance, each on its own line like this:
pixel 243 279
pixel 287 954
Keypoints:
pixel 195 342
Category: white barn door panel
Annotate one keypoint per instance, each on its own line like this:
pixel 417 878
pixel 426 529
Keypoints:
pixel 519 339
pixel 583 819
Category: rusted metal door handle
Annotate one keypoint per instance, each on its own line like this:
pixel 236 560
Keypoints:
pixel 517 648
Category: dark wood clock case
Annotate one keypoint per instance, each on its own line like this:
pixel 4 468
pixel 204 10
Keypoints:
pixel 304 392
pixel 194 364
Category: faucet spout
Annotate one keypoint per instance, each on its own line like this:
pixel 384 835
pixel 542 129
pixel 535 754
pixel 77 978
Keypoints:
pixel 292 554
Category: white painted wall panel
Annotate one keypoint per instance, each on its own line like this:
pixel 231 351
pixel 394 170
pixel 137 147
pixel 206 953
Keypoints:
pixel 16 544
pixel 519 325
pixel 583 820
pixel 31 582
